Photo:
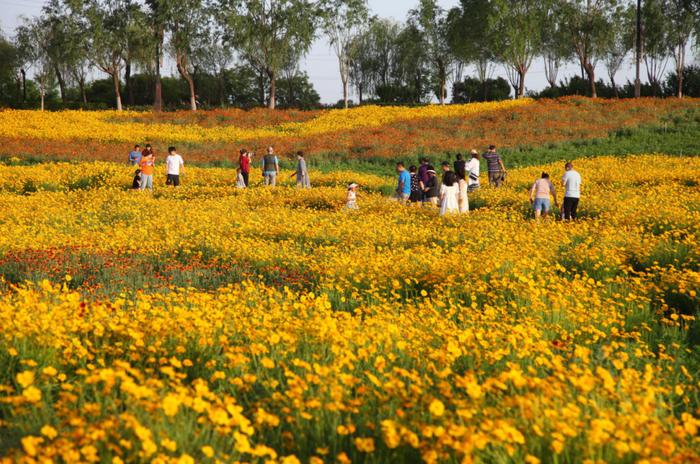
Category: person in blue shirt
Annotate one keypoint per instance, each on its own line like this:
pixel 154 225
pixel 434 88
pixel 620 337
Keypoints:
pixel 403 189
pixel 135 156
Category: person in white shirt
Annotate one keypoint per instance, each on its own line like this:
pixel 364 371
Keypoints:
pixel 175 165
pixel 473 167
pixel 572 192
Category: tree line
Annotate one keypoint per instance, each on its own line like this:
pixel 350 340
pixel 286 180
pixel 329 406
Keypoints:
pixel 247 52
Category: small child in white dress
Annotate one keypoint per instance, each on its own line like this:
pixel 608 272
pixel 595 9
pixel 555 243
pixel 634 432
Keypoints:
pixel 352 197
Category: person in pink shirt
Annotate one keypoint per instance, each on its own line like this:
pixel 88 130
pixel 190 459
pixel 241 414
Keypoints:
pixel 539 196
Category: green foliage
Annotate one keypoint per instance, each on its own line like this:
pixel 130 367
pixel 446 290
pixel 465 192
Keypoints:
pixel 473 90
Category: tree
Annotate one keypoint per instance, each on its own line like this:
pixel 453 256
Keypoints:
pixel 10 82
pixel 622 30
pixel 139 47
pixel 432 23
pixel 108 38
pixel 159 13
pixel 361 63
pixel 682 19
pixel 655 41
pixel 588 32
pixel 556 49
pixel 265 31
pixel 190 27
pixel 34 41
pixel 518 38
pixel 471 38
pixel 342 20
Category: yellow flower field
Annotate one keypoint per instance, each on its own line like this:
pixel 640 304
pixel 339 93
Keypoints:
pixel 208 324
pixel 114 126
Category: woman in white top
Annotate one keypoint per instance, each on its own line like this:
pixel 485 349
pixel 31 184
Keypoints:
pixel 449 193
pixel 462 197
pixel 473 167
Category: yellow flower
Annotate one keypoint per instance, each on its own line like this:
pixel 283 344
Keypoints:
pixel 365 445
pixel 32 394
pixel 171 404
pixel 436 408
pixel 208 451
pixel 30 444
pixel 49 432
pixel 25 379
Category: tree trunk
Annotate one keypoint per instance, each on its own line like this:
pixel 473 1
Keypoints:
pixel 273 90
pixel 345 92
pixel 359 92
pixel 42 92
pixel 81 85
pixel 614 86
pixel 117 90
pixel 521 83
pixel 158 94
pixel 129 84
pixel 184 73
pixel 261 83
pixel 193 95
pixel 680 64
pixel 590 72
pixel 61 84
pixel 24 84
pixel 222 88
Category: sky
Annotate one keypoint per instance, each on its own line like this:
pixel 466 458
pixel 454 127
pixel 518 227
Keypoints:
pixel 321 63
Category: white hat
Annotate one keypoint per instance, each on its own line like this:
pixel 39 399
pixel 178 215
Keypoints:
pixel 353 185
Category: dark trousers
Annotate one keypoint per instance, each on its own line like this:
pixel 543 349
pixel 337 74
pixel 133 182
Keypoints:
pixel 245 177
pixel 570 206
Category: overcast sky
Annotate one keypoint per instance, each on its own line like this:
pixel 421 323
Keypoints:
pixel 321 63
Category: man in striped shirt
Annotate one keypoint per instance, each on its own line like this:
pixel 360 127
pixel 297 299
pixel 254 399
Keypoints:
pixel 496 168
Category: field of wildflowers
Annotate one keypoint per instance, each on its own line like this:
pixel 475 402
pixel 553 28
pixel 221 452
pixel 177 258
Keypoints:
pixel 209 324
pixel 365 133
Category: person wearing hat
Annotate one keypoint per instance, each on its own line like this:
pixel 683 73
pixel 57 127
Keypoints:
pixel 473 168
pixel 432 188
pixel 351 199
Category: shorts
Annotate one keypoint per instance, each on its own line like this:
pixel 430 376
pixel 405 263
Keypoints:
pixel 402 197
pixel 542 205
pixel 270 178
pixel 172 179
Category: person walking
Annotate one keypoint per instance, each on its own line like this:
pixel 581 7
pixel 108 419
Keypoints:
pixel 460 166
pixel 449 194
pixel 147 166
pixel 403 189
pixel 270 167
pixel 572 192
pixel 302 174
pixel 473 171
pixel 423 173
pixel 174 165
pixel 351 197
pixel 462 197
pixel 497 170
pixel 431 191
pixel 135 156
pixel 244 165
pixel 416 191
pixel 539 196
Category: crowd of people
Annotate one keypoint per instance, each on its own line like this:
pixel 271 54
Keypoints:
pixel 416 185
pixel 419 185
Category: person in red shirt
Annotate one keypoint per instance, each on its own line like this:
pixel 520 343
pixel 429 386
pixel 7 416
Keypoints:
pixel 244 164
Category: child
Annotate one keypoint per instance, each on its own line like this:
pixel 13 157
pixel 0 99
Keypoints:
pixel 240 180
pixel 539 196
pixel 136 184
pixel 416 193
pixel 352 197
pixel 449 194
